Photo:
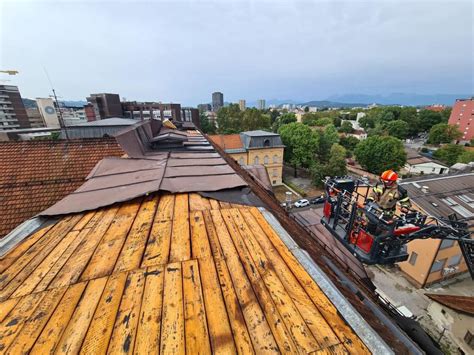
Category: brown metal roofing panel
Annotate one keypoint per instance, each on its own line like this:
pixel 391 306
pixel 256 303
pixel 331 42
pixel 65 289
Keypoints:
pixel 87 201
pixel 201 183
pixel 125 179
pixel 463 304
pixel 198 170
pixel 261 174
pixel 195 162
pixel 110 166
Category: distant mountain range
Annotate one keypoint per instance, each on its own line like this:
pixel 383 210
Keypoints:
pixel 401 99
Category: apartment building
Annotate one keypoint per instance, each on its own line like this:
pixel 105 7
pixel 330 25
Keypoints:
pixel 255 148
pixel 217 101
pixel 462 115
pixel 12 110
pixel 242 105
pixel 106 105
pixel 432 260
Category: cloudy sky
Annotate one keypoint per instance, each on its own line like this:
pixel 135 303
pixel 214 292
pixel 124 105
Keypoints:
pixel 181 51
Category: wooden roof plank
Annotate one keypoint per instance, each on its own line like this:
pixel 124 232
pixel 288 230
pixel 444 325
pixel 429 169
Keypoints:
pixel 51 240
pixel 295 323
pixel 149 324
pixel 196 332
pixel 17 317
pixel 165 208
pixel 337 349
pixel 7 306
pixel 275 320
pixel 44 268
pixel 198 203
pixel 73 268
pixel 214 204
pixel 158 245
pixel 84 221
pixel 36 322
pixel 53 271
pixel 242 340
pixel 172 323
pixel 22 248
pixel 321 330
pixel 134 247
pixel 52 332
pixel 108 249
pixel 180 241
pixel 98 334
pixel 262 338
pixel 199 240
pixel 124 331
pixel 347 336
pixel 73 335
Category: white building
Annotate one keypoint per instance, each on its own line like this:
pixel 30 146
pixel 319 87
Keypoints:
pixel 48 112
pixel 418 164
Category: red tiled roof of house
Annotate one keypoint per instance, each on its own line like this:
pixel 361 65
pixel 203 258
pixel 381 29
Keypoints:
pixel 36 174
pixel 227 141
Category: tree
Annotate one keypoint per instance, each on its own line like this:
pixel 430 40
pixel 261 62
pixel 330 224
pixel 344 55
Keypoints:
pixel 206 125
pixel 229 119
pixel 306 109
pixel 397 128
pixel 274 114
pixel 367 122
pixel 337 121
pixel 349 142
pixel 346 127
pixel 326 139
pixel 322 122
pixel 282 120
pixel 449 154
pixel 377 154
pixel 428 119
pixel 253 119
pixel 443 133
pixel 335 167
pixel 301 144
pixel 466 157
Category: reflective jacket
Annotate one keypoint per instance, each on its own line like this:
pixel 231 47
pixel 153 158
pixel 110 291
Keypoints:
pixel 387 197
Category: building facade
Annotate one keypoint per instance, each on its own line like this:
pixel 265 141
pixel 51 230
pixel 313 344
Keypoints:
pixel 48 112
pixel 12 110
pixel 217 101
pixel 255 148
pixel 242 105
pixel 462 115
pixel 433 260
pixel 261 104
pixel 34 116
pixel 204 107
pixel 106 105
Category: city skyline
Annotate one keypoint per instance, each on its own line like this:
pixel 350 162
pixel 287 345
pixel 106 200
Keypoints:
pixel 344 48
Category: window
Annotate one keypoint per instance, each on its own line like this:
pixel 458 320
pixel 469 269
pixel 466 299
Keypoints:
pixel 266 142
pixel 446 244
pixel 275 173
pixel 469 339
pixel 437 265
pixel 256 160
pixel 275 159
pixel 413 257
pixel 266 159
pixel 454 260
pixel 241 161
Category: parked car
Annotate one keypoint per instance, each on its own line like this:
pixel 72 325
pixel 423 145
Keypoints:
pixel 302 203
pixel 317 200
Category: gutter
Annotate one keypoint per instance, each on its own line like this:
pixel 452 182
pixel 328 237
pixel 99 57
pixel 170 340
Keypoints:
pixel 369 337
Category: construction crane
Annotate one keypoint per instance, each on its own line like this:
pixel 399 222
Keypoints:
pixel 9 72
pixel 373 237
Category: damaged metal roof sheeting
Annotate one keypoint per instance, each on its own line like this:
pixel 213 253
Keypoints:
pixel 260 173
pixel 121 179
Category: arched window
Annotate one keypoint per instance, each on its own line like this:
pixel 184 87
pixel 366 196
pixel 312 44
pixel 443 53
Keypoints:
pixel 256 161
pixel 266 159
pixel 241 161
pixel 266 142
pixel 275 159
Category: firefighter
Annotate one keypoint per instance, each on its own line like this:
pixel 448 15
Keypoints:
pixel 387 194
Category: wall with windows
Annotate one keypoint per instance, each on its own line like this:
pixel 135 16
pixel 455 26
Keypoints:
pixel 241 158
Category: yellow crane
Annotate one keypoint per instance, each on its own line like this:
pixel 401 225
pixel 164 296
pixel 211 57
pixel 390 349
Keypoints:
pixel 9 72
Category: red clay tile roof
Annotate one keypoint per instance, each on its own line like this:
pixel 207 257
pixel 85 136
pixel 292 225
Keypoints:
pixel 227 141
pixel 36 174
pixel 463 304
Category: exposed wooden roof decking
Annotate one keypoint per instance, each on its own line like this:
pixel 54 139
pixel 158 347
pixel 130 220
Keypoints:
pixel 166 273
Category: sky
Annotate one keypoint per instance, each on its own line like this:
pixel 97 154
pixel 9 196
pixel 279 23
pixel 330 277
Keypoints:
pixel 182 51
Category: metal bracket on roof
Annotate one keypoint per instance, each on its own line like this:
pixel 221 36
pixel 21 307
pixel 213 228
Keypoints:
pixel 370 338
pixel 21 232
